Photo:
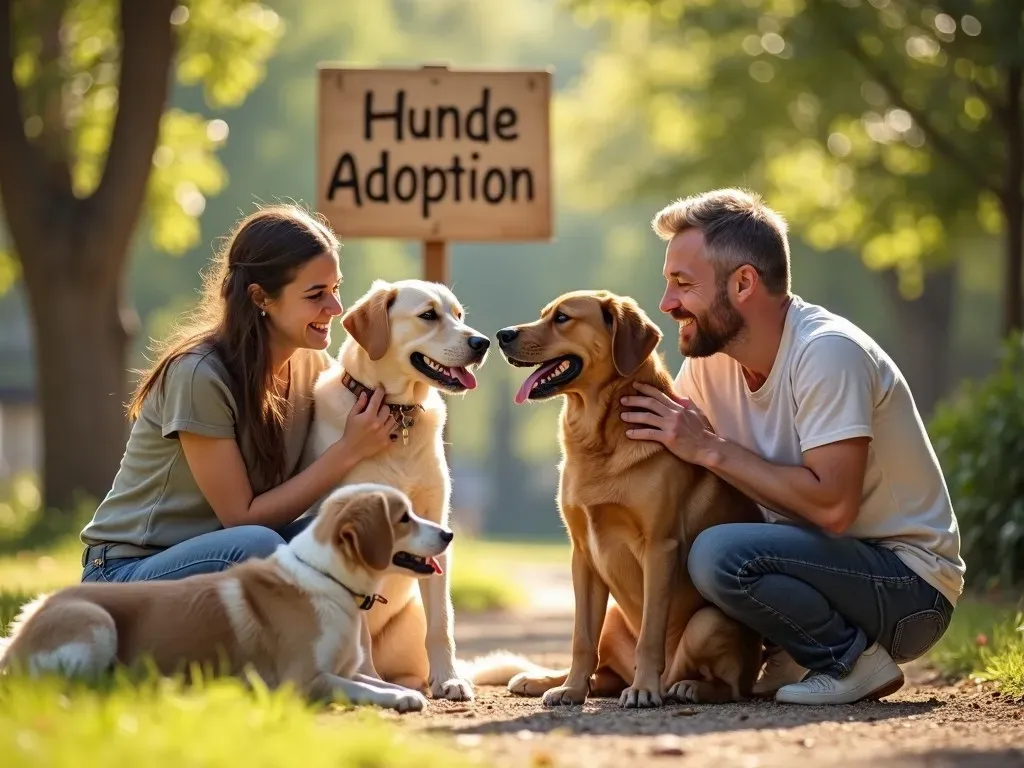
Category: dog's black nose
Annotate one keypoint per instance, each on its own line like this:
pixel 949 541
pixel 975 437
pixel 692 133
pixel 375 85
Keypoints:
pixel 479 343
pixel 447 536
pixel 507 335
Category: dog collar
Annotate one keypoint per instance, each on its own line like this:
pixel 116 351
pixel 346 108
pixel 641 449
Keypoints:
pixel 365 602
pixel 399 411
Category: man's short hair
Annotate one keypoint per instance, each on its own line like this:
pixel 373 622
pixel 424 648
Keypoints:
pixel 738 229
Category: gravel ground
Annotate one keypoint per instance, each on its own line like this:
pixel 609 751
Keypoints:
pixel 930 722
pixel 925 724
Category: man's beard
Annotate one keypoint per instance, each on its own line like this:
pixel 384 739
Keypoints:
pixel 714 330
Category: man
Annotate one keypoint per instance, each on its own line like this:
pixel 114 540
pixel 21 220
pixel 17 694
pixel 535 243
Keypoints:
pixel 858 566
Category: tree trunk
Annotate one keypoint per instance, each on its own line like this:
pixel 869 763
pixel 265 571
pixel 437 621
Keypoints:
pixel 925 327
pixel 73 251
pixel 81 345
pixel 1013 208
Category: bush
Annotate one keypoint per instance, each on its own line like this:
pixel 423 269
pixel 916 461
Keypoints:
pixel 978 435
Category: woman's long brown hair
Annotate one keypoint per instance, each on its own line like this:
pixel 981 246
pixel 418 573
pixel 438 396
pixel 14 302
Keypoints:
pixel 266 248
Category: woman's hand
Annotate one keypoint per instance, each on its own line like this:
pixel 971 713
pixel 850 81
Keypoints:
pixel 220 472
pixel 368 428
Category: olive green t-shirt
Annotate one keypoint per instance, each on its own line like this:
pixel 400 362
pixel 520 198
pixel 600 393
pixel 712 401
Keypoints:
pixel 154 501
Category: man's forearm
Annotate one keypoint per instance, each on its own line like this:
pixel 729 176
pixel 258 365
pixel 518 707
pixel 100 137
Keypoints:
pixel 786 488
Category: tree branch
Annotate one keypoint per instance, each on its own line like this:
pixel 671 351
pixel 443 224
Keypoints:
pixel 22 181
pixel 147 45
pixel 942 144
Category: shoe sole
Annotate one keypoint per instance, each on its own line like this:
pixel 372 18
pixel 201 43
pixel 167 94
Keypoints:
pixel 879 693
pixel 886 690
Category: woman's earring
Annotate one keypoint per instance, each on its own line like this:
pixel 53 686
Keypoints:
pixel 263 313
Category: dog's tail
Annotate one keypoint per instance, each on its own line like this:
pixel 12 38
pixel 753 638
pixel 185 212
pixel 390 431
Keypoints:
pixel 496 668
pixel 21 618
pixel 88 649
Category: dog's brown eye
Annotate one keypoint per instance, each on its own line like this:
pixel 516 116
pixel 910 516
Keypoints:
pixel 405 518
pixel 561 317
pixel 429 315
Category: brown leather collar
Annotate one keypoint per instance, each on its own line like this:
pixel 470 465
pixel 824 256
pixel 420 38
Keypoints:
pixel 399 411
pixel 365 602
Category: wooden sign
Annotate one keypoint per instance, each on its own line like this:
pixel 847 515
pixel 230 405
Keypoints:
pixel 434 154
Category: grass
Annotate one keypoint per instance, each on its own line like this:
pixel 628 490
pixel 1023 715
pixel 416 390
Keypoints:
pixel 484 572
pixel 985 640
pixel 221 722
pixel 216 723
pixel 30 561
pixel 480 573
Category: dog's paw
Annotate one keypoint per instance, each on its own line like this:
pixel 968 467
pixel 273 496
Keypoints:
pixel 564 696
pixel 527 684
pixel 405 701
pixel 686 691
pixel 453 689
pixel 640 697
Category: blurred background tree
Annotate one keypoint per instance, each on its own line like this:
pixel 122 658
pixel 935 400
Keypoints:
pixel 646 107
pixel 87 147
pixel 892 128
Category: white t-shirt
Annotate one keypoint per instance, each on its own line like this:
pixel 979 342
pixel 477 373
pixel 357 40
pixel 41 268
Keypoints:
pixel 830 382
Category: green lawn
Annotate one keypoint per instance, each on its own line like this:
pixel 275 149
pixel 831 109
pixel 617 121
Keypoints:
pixel 218 723
pixel 221 723
pixel 480 572
pixel 483 572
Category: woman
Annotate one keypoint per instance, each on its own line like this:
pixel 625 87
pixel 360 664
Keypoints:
pixel 210 475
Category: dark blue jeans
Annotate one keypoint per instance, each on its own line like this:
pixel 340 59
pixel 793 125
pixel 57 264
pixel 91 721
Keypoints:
pixel 207 553
pixel 824 599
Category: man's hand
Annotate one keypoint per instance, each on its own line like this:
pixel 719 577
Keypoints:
pixel 670 420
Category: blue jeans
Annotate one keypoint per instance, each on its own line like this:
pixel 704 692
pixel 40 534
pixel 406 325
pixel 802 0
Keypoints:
pixel 823 599
pixel 207 553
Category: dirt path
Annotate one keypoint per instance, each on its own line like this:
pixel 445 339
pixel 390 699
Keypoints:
pixel 927 723
pixel 922 725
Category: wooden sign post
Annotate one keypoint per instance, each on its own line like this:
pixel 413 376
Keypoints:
pixel 435 155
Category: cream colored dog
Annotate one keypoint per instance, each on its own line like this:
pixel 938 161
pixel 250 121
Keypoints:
pixel 296 617
pixel 409 337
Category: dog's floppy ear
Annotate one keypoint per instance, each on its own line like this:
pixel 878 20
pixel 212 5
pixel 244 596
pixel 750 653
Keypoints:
pixel 364 529
pixel 368 323
pixel 634 336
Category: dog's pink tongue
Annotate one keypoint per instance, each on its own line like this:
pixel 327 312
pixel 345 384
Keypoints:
pixel 465 377
pixel 435 565
pixel 524 391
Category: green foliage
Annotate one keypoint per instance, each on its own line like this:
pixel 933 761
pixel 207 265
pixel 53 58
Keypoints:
pixel 978 435
pixel 478 591
pixel 25 527
pixel 985 641
pixel 874 125
pixel 165 724
pixel 223 47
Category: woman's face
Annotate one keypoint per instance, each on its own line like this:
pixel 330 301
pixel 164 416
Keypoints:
pixel 300 317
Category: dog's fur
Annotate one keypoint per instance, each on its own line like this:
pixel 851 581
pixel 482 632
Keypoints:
pixel 413 635
pixel 280 617
pixel 632 510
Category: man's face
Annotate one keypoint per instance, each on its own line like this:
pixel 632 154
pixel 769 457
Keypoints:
pixel 698 301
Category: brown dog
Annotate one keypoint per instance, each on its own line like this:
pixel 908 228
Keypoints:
pixel 632 509
pixel 298 616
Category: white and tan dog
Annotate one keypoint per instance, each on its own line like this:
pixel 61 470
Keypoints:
pixel 409 337
pixel 296 617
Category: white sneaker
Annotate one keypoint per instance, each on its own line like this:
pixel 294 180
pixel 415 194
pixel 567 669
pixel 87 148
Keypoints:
pixel 873 676
pixel 779 669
